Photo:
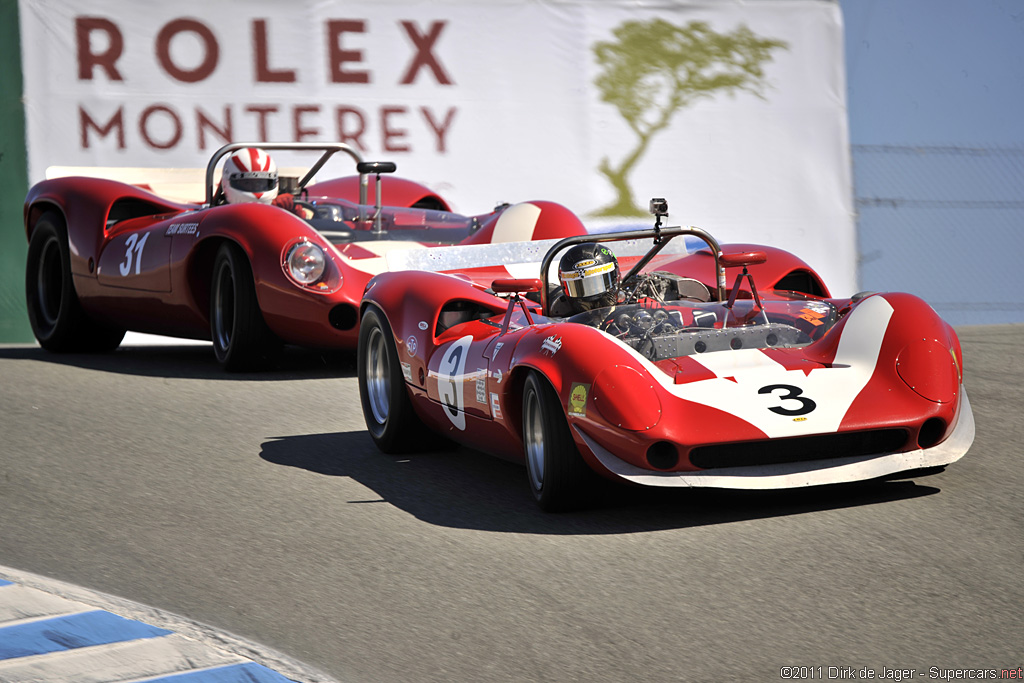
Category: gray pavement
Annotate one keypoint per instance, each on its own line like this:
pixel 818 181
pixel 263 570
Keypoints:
pixel 258 505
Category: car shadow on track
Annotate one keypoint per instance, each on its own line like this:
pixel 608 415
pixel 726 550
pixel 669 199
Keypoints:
pixel 463 488
pixel 193 361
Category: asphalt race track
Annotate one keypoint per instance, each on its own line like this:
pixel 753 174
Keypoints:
pixel 257 504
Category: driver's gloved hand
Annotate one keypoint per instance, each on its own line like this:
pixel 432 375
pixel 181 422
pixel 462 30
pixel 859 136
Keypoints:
pixel 285 201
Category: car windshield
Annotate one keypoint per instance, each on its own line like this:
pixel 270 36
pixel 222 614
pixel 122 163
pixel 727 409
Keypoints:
pixel 342 221
pixel 671 329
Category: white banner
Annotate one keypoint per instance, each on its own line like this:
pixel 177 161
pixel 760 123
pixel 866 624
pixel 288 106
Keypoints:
pixel 734 112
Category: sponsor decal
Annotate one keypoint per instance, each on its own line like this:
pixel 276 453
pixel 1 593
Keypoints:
pixel 495 406
pixel 423 325
pixel 407 372
pixel 411 345
pixel 586 268
pixel 578 399
pixel 481 390
pixel 497 376
pixel 497 347
pixel 551 345
pixel 813 314
pixel 182 229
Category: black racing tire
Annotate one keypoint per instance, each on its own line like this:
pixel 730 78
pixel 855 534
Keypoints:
pixel 54 311
pixel 558 477
pixel 241 339
pixel 387 407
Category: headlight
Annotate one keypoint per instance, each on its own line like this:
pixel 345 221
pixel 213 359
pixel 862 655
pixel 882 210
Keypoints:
pixel 306 263
pixel 310 266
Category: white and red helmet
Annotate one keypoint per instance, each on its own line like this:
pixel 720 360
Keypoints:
pixel 250 175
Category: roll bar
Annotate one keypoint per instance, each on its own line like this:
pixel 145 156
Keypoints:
pixel 329 149
pixel 661 237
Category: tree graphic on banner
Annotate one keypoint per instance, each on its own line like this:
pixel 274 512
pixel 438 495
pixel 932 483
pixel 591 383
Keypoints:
pixel 653 69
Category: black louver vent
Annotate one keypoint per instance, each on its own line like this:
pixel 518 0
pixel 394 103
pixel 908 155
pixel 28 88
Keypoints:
pixel 799 449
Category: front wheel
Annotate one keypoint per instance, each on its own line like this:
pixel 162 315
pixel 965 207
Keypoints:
pixel 558 477
pixel 54 311
pixel 241 339
pixel 387 408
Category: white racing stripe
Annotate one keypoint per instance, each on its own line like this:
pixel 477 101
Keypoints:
pixel 516 223
pixel 743 380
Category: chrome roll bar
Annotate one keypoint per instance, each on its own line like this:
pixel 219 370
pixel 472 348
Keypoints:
pixel 329 149
pixel 661 236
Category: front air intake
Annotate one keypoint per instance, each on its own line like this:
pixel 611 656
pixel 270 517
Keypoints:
pixel 931 432
pixel 798 449
pixel 343 317
pixel 662 455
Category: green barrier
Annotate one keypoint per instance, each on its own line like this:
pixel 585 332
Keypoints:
pixel 14 325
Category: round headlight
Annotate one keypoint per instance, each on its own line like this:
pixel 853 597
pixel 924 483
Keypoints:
pixel 306 262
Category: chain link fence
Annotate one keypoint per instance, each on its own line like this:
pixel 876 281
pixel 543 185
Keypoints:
pixel 945 223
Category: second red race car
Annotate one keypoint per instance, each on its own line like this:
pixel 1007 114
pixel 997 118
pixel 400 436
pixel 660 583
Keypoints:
pixel 262 261
pixel 645 365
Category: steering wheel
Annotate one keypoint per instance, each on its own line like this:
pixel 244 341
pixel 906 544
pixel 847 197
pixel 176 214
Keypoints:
pixel 306 206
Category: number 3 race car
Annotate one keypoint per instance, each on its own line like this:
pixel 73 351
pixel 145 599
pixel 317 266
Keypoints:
pixel 672 379
pixel 106 256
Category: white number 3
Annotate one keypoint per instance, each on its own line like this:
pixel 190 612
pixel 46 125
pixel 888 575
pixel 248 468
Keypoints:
pixel 136 245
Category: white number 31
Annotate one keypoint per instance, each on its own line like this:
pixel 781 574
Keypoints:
pixel 133 244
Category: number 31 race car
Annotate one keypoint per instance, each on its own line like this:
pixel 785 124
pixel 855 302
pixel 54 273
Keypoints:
pixel 106 256
pixel 665 376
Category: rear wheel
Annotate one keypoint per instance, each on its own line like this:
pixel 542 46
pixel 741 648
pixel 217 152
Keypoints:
pixel 558 477
pixel 387 408
pixel 241 339
pixel 55 313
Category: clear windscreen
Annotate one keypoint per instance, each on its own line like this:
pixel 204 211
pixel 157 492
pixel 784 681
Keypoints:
pixel 342 221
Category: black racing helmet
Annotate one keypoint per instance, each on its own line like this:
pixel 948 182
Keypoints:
pixel 589 272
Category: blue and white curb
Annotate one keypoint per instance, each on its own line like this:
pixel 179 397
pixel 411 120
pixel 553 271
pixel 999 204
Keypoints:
pixel 52 632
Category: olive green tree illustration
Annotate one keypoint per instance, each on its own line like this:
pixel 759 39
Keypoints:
pixel 653 69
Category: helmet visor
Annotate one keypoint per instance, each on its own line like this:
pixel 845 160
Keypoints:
pixel 583 283
pixel 254 181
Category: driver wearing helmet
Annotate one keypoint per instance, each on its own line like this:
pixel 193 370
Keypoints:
pixel 589 275
pixel 250 175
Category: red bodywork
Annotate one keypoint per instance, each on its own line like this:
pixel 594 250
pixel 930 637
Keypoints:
pixel 876 388
pixel 143 263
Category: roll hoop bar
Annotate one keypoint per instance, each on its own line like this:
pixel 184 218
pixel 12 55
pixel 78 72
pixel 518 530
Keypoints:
pixel 329 149
pixel 661 236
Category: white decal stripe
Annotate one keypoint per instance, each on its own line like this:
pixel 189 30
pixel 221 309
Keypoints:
pixel 861 343
pixel 530 270
pixel 377 264
pixel 516 223
pixel 832 390
pixel 730 363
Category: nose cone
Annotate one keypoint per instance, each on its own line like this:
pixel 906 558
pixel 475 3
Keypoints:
pixel 626 398
pixel 929 368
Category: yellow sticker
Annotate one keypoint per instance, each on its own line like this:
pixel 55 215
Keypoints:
pixel 578 399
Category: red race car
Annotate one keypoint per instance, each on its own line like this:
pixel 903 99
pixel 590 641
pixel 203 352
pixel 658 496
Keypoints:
pixel 645 366
pixel 262 261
